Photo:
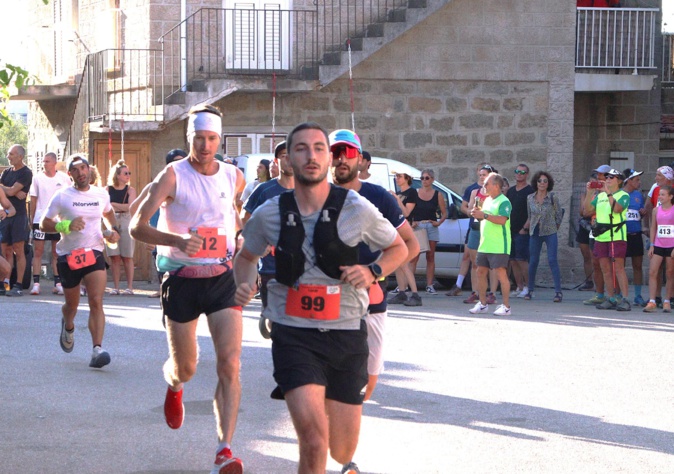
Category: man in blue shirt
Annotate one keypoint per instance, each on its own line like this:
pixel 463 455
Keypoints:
pixel 635 243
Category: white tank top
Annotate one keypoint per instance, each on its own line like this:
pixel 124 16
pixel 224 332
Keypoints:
pixel 200 201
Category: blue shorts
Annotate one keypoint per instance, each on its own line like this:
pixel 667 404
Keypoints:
pixel 473 239
pixel 433 232
pixel 520 247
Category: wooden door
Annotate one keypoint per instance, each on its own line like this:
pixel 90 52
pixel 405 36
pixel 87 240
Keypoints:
pixel 137 158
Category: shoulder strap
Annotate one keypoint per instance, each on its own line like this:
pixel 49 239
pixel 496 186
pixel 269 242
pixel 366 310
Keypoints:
pixel 331 252
pixel 289 256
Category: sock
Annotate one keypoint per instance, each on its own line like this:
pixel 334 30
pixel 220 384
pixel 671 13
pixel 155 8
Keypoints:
pixel 97 345
pixel 222 446
pixel 600 295
pixel 666 301
pixel 36 278
pixel 459 280
pixel 637 291
pixel 57 280
pixel 651 301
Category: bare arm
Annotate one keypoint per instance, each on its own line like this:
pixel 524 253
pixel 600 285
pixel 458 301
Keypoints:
pixel 13 190
pixel 162 189
pixel 407 234
pixel 245 276
pixel 133 207
pixel 443 210
pixel 7 209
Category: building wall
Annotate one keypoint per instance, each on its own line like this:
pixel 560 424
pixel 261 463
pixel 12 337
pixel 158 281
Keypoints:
pixel 488 81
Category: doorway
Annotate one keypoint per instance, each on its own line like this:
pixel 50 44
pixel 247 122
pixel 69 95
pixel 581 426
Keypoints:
pixel 137 158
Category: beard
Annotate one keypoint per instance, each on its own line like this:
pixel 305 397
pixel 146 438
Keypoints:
pixel 343 179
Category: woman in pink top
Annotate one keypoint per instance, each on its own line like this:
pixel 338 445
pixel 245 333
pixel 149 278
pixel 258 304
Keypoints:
pixel 662 236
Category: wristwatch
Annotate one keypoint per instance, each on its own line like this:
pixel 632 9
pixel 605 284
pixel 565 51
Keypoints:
pixel 376 270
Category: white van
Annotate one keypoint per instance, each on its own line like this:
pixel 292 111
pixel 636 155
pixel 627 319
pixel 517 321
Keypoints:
pixel 449 250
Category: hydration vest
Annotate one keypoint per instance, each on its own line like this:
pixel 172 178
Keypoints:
pixel 331 252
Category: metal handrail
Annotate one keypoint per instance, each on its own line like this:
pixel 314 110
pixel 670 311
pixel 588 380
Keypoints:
pixel 668 60
pixel 616 38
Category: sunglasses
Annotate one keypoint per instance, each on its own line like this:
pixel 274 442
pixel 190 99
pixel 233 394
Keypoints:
pixel 611 177
pixel 543 181
pixel 425 178
pixel 349 152
pixel 488 168
pixel 520 172
pixel 126 173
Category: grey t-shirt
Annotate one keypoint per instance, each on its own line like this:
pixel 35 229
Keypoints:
pixel 359 221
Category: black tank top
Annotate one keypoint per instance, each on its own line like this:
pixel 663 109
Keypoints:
pixel 426 210
pixel 120 196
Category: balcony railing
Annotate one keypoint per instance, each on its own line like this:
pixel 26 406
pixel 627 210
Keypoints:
pixel 616 38
pixel 117 84
pixel 668 60
pixel 221 42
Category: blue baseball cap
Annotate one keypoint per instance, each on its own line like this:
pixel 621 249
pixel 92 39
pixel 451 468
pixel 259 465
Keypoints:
pixel 345 137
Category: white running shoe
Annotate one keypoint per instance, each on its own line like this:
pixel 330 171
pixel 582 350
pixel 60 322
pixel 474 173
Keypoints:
pixel 479 308
pixel 58 289
pixel 36 289
pixel 523 293
pixel 502 310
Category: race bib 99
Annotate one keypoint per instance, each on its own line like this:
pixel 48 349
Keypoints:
pixel 314 302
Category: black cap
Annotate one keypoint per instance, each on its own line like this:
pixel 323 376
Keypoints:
pixel 175 155
pixel 279 148
pixel 367 156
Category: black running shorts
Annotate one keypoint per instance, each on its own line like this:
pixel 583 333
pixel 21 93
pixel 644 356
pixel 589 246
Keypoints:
pixel 72 278
pixel 184 299
pixel 335 359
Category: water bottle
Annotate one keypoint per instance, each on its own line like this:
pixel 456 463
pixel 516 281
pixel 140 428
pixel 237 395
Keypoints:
pixel 108 233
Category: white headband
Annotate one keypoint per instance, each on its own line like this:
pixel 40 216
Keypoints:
pixel 204 121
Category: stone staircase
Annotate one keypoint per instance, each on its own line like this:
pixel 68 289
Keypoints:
pixel 377 35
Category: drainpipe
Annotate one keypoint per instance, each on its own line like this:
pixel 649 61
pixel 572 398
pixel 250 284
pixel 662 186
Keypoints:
pixel 183 45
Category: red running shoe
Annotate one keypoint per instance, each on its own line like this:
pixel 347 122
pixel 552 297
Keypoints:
pixel 226 463
pixel 174 410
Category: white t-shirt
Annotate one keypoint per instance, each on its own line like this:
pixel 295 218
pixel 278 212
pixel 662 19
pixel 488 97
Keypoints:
pixel 44 187
pixel 70 203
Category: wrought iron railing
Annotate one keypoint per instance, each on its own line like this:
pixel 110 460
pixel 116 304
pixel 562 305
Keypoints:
pixel 220 42
pixel 117 84
pixel 616 38
pixel 668 60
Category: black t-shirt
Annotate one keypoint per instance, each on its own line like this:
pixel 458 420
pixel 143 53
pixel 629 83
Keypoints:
pixel 519 213
pixel 409 196
pixel 24 176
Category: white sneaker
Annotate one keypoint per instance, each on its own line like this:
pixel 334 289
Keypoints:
pixel 479 308
pixel 58 289
pixel 515 292
pixel 502 310
pixel 523 293
pixel 36 289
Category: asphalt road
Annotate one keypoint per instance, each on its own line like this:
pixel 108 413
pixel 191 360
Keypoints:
pixel 554 388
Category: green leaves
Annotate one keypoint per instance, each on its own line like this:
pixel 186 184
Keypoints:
pixel 15 76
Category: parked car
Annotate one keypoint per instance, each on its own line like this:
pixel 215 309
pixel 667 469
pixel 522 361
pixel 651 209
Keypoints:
pixel 449 250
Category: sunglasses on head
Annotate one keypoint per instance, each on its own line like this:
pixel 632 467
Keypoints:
pixel 349 152
pixel 520 172
pixel 488 168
